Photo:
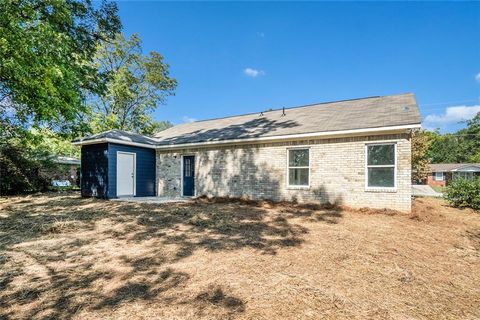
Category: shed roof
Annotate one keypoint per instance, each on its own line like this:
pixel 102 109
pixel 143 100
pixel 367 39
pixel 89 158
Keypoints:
pixel 120 135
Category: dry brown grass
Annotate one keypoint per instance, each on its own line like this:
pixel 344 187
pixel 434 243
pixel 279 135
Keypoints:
pixel 62 256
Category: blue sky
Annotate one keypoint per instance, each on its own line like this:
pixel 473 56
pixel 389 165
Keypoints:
pixel 233 58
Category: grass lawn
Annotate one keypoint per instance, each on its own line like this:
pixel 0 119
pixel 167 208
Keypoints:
pixel 65 257
pixel 438 189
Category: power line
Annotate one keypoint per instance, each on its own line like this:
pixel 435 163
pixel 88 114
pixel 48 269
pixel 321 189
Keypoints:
pixel 442 108
pixel 450 102
pixel 459 135
pixel 425 106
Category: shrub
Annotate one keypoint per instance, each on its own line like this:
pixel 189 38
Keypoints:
pixel 21 171
pixel 464 193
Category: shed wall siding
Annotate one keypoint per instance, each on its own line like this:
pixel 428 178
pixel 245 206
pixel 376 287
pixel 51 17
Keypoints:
pixel 258 171
pixel 145 169
pixel 94 171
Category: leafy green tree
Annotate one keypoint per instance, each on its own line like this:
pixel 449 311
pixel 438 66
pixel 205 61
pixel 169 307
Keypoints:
pixel 22 168
pixel 27 159
pixel 52 143
pixel 136 86
pixel 45 51
pixel 421 141
pixel 155 126
pixel 445 148
pixel 475 157
pixel 471 137
pixel 462 146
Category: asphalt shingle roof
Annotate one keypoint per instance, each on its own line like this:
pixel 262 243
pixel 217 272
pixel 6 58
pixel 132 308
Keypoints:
pixel 120 135
pixel 447 167
pixel 372 112
pixel 363 113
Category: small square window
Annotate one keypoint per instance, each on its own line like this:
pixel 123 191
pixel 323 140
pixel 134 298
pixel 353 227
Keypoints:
pixel 439 176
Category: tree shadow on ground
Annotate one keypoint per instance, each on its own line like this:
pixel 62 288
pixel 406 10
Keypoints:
pixel 63 255
pixel 218 227
pixel 216 296
pixel 144 290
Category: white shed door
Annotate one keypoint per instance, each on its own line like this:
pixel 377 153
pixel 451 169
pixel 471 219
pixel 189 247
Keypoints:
pixel 125 174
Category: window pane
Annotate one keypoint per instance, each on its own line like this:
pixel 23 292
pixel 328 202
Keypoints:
pixel 298 158
pixel 381 154
pixel 381 177
pixel 439 176
pixel 188 168
pixel 298 177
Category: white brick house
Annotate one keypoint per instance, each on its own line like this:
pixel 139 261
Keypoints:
pixel 354 152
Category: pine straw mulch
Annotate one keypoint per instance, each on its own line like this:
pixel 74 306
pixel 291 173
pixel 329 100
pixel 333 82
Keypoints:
pixel 62 256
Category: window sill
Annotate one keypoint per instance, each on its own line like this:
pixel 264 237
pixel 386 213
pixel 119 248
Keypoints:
pixel 380 190
pixel 298 187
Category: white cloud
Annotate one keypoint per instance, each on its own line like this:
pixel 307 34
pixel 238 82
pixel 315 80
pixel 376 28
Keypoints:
pixel 452 115
pixel 477 77
pixel 188 119
pixel 253 72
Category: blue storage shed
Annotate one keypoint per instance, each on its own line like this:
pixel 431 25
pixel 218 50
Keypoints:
pixel 117 163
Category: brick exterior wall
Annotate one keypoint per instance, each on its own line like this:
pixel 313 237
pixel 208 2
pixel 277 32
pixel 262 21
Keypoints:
pixel 258 171
pixel 432 182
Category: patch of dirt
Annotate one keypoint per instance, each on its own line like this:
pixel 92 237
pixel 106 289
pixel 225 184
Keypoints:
pixel 62 256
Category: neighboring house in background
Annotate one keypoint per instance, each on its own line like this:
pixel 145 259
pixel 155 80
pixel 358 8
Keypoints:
pixel 66 172
pixel 353 152
pixel 442 173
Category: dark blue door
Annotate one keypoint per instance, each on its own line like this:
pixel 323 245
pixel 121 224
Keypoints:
pixel 188 175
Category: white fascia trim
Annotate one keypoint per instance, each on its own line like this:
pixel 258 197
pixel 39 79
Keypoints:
pixel 294 136
pixel 109 140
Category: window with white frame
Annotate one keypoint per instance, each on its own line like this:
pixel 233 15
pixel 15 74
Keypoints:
pixel 298 174
pixel 438 176
pixel 381 165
